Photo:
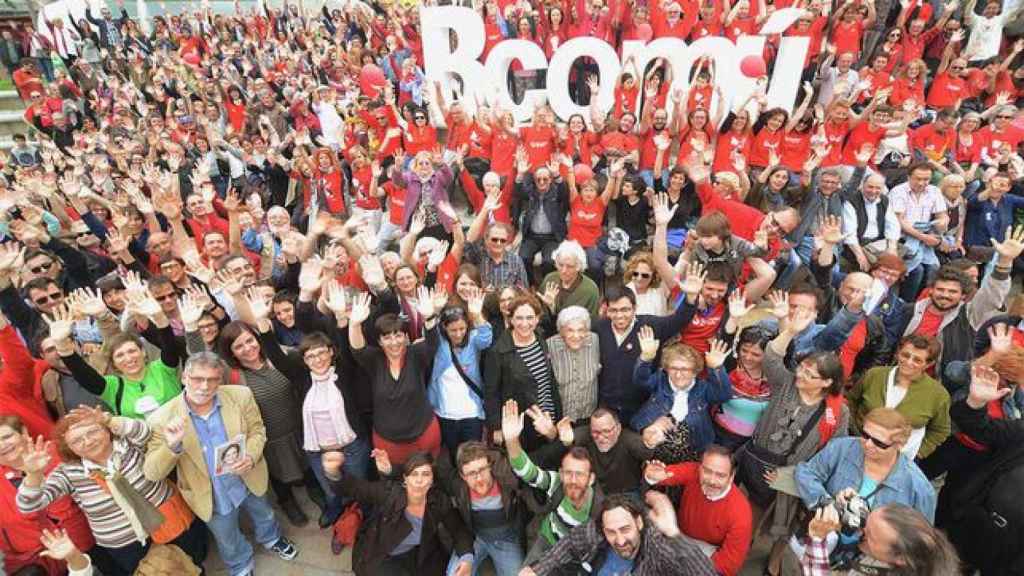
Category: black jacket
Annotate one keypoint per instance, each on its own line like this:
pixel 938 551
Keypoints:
pixel 877 348
pixel 554 202
pixel 387 526
pixel 987 519
pixel 507 377
pixel 508 483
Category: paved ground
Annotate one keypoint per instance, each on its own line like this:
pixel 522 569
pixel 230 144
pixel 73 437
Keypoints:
pixel 316 559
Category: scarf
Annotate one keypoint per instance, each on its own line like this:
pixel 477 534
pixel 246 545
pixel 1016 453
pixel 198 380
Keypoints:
pixel 323 394
pixel 142 515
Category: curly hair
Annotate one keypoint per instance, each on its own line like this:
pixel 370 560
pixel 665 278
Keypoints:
pixel 642 257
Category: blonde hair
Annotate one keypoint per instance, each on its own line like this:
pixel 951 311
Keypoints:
pixel 890 419
pixel 728 179
pixel 682 352
pixel 642 257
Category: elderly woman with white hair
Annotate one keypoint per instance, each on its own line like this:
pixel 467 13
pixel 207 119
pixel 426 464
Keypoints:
pixel 568 285
pixel 575 356
pixel 426 183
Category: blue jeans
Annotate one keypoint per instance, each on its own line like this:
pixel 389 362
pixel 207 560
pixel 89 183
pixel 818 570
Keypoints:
pixel 235 550
pixel 357 464
pixel 648 177
pixel 46 67
pixel 502 546
pixel 455 432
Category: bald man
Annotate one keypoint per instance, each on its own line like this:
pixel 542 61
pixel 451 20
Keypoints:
pixel 870 226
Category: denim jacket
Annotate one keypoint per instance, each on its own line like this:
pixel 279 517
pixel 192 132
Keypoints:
pixel 840 465
pixel 704 393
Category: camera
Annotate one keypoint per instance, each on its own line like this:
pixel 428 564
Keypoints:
pixel 854 515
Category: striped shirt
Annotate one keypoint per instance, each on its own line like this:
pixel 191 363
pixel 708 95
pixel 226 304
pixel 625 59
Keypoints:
pixel 565 517
pixel 509 272
pixel 108 523
pixel 540 370
pixel 576 373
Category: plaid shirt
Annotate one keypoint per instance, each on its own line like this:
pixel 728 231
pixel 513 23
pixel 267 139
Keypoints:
pixel 814 562
pixel 509 272
pixel 658 554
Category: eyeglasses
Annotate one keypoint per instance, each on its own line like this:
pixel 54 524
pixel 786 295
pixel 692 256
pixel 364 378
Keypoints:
pixel 681 369
pixel 498 240
pixel 881 445
pixel 41 268
pixel 641 274
pixel 807 373
pixel 314 354
pixel 51 297
pixel 469 474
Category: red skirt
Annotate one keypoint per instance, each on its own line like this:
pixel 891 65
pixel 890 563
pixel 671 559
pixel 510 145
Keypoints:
pixel 399 452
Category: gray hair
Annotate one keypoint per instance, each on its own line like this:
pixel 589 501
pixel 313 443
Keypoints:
pixel 493 178
pixel 573 314
pixel 571 249
pixel 204 359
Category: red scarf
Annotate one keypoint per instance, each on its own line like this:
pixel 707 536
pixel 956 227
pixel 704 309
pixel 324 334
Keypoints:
pixel 830 419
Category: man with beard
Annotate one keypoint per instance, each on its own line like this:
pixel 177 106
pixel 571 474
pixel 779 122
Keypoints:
pixel 618 454
pixel 712 510
pixel 653 124
pixel 570 495
pixel 945 315
pixel 620 540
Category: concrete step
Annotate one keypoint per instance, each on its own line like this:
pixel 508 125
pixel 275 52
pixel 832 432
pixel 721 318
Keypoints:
pixel 9 100
pixel 12 122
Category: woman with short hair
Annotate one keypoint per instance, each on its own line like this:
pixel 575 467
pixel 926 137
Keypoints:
pixel 575 355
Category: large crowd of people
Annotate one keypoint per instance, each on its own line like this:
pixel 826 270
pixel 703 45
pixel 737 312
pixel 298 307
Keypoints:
pixel 250 253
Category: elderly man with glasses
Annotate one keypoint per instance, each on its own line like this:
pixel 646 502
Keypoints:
pixel 499 265
pixel 544 198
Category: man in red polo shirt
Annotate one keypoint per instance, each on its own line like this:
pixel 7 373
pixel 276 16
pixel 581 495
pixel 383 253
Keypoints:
pixel 950 85
pixel 935 142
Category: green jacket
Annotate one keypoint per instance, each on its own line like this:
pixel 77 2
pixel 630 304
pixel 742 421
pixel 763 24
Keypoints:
pixel 926 405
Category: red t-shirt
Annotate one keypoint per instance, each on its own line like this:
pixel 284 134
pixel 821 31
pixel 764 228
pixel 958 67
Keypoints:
pixel 763 141
pixel 728 143
pixel 969 151
pixel 932 144
pixel 539 142
pixel 702 329
pixel 846 36
pixel 930 322
pixel 860 136
pixel 419 139
pixel 796 149
pixel 585 219
pixel 745 220
pixel 396 203
pixel 835 134
pixel 947 91
pixel 503 152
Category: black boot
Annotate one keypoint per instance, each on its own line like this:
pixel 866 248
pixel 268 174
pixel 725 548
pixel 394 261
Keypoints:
pixel 295 514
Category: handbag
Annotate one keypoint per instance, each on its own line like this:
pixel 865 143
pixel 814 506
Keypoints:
pixel 754 461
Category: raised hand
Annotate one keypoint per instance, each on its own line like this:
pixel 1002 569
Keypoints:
pixel 174 432
pixel 738 307
pixel 1000 339
pixel 512 422
pixel 550 295
pixel 57 545
pixel 716 355
pixel 662 212
pixel 373 272
pixel 985 386
pixel 694 281
pixel 830 231
pixel 439 297
pixel 189 309
pixel 36 455
pixel 492 202
pixel 12 257
pixel 311 275
pixel 258 305
pixel 336 300
pixel 382 461
pixel 565 432
pixel 648 343
pixel 476 302
pixel 656 472
pixel 780 304
pixel 799 321
pixel 196 269
pixel 1011 247
pixel 61 323
pixel 662 514
pixel 542 422
pixel 424 302
pixel 360 308
pixel 89 302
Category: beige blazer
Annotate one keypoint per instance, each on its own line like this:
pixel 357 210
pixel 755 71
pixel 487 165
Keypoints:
pixel 241 416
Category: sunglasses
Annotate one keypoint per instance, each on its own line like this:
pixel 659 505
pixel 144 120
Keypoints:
pixel 498 240
pixel 420 117
pixel 881 445
pixel 51 297
pixel 642 274
pixel 41 268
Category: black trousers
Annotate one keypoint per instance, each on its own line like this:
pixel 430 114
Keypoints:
pixel 125 559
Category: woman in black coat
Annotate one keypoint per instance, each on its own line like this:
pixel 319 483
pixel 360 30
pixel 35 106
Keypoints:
pixel 517 367
pixel 387 544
